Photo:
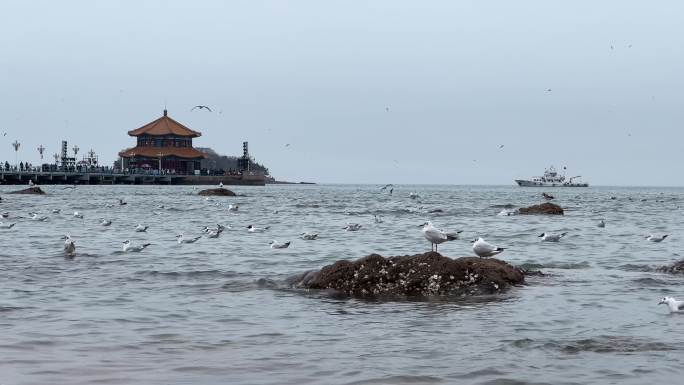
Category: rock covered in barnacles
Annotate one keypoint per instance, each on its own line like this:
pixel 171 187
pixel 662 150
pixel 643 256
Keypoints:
pixel 544 208
pixel 425 274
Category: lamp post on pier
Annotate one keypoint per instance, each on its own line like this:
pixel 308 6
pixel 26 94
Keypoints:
pixel 41 149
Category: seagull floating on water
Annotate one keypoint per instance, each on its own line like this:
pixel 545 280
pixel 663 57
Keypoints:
pixel 4 214
pixel 56 211
pixel 414 195
pixel 674 305
pixel 122 202
pixel 377 218
pixel 181 240
pixel 233 207
pixel 105 222
pixel 35 217
pixel 436 236
pixel 551 237
pixel 140 228
pixel 484 249
pixel 352 227
pixel 253 229
pixel 276 245
pixel 656 239
pixel 4 225
pixel 78 215
pixel 547 196
pixel 127 247
pixel 69 245
pixel 602 223
pixel 308 236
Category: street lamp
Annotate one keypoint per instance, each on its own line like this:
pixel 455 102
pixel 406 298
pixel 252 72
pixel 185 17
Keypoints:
pixel 16 146
pixel 40 151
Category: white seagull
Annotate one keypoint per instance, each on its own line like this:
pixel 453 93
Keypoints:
pixel 377 218
pixel 484 249
pixel 6 225
pixel 436 236
pixel 653 238
pixel 35 217
pixel 140 228
pixel 674 305
pixel 127 247
pixel 105 222
pixel 78 215
pixel 181 240
pixel 353 227
pixel 233 207
pixel 56 211
pixel 551 237
pixel 308 236
pixel 277 245
pixel 414 195
pixel 69 245
pixel 253 229
pixel 212 233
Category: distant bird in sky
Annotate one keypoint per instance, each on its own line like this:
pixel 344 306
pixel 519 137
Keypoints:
pixel 548 90
pixel 201 107
pixel 611 47
pixel 387 109
pixel 287 145
pixel 4 134
pixel 501 146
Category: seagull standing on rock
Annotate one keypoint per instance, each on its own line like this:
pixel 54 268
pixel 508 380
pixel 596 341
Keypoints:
pixel 551 237
pixel 674 305
pixel 436 236
pixel 484 249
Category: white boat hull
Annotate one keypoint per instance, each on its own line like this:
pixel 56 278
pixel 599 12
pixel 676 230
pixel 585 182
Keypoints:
pixel 529 183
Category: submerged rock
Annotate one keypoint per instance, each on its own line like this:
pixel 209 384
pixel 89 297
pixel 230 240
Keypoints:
pixel 675 268
pixel 414 275
pixel 544 208
pixel 31 190
pixel 219 192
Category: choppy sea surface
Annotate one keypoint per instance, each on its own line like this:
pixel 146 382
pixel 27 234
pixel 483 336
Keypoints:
pixel 218 311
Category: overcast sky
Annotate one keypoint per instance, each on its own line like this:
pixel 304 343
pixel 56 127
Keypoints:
pixel 460 78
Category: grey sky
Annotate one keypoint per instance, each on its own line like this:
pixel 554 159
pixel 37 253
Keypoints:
pixel 459 78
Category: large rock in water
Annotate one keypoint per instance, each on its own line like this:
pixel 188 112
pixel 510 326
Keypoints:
pixel 219 192
pixel 544 208
pixel 675 268
pixel 31 190
pixel 415 275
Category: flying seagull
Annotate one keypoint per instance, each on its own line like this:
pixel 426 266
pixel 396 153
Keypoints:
pixel 201 107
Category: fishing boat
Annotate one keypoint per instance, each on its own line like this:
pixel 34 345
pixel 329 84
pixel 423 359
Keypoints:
pixel 551 178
